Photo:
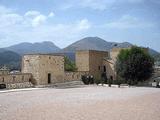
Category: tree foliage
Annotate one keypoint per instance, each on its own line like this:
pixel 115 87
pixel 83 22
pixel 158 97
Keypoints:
pixel 134 64
pixel 69 65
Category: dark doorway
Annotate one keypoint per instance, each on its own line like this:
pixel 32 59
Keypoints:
pixel 104 68
pixel 49 78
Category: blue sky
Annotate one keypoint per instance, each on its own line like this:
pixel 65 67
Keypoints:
pixel 66 21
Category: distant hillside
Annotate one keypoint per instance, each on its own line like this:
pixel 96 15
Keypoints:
pixel 94 43
pixel 11 56
pixel 24 48
pixel 11 59
pixel 2 50
pixel 153 52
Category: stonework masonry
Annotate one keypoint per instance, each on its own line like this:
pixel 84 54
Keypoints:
pixel 74 76
pixel 46 69
pixel 20 80
pixel 91 61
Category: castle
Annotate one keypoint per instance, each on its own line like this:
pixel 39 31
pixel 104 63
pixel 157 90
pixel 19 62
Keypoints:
pixel 44 69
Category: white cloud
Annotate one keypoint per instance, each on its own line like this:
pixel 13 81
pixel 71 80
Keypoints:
pixel 84 24
pixel 34 26
pixel 10 19
pixel 4 10
pixel 32 13
pixel 40 19
pixel 51 14
pixel 128 21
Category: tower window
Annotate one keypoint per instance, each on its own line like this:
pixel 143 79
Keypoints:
pixel 99 67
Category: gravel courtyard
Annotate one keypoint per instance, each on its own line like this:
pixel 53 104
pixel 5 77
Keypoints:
pixel 86 103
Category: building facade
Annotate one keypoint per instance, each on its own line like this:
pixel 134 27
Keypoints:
pixel 45 68
pixel 95 63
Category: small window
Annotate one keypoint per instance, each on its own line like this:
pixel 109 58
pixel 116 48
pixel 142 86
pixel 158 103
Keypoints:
pixel 3 79
pixel 99 67
pixel 30 79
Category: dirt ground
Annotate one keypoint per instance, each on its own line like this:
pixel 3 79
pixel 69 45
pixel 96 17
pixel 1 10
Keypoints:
pixel 86 103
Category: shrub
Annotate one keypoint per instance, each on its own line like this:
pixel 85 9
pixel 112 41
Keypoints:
pixel 97 81
pixel 87 79
pixel 69 65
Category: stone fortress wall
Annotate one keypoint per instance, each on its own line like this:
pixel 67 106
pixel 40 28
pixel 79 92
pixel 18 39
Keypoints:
pixel 74 76
pixel 44 69
pixel 19 80
pixel 95 63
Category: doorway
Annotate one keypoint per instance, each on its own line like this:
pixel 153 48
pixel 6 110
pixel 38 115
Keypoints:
pixel 104 68
pixel 49 78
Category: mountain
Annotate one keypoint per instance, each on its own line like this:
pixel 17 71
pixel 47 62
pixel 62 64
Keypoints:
pixel 153 52
pixel 2 50
pixel 11 59
pixel 25 48
pixel 94 43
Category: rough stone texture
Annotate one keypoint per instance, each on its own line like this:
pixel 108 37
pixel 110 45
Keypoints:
pixel 19 85
pixel 40 65
pixel 14 81
pixel 15 78
pixel 82 60
pixel 2 72
pixel 89 103
pixel 96 59
pixel 114 53
pixel 110 69
pixel 72 76
pixel 94 62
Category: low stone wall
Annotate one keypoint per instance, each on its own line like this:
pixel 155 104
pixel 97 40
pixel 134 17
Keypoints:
pixel 19 85
pixel 74 76
pixel 20 80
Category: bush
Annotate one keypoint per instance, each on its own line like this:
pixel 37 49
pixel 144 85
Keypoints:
pixel 87 79
pixel 97 81
pixel 69 65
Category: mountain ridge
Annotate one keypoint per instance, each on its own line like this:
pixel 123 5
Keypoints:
pixel 94 43
pixel 9 55
pixel 38 47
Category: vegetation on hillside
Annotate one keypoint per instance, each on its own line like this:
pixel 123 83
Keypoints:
pixel 10 59
pixel 69 65
pixel 134 65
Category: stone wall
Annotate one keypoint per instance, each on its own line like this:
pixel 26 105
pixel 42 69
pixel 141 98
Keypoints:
pixel 96 66
pixel 82 60
pixel 45 68
pixel 91 61
pixel 20 80
pixel 114 53
pixel 110 70
pixel 74 76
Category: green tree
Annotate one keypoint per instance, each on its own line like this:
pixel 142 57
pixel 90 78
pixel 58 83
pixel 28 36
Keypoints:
pixel 134 65
pixel 69 65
